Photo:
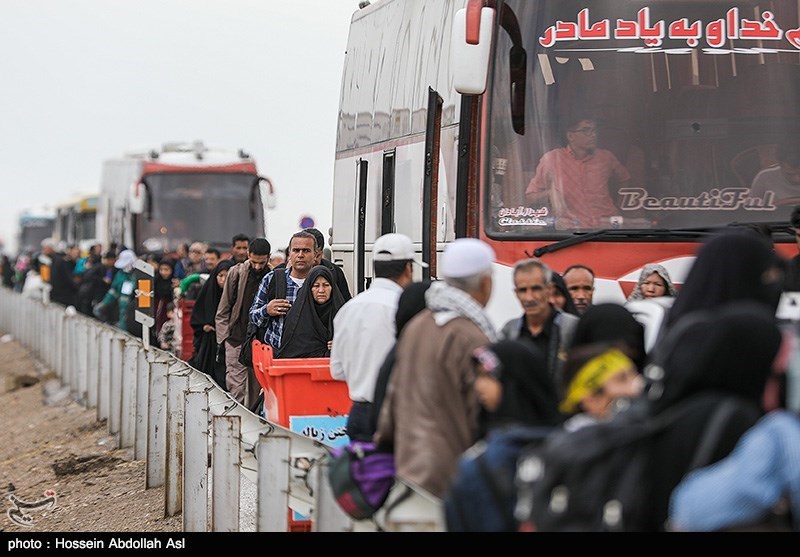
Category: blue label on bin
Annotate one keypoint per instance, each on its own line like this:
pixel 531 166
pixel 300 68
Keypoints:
pixel 330 430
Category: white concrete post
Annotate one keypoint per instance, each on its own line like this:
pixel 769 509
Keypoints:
pixel 226 473
pixel 177 385
pixel 142 398
pixel 130 355
pixel 273 483
pixel 104 376
pixel 195 462
pixel 156 422
pixel 115 384
pixel 93 365
pixel 82 348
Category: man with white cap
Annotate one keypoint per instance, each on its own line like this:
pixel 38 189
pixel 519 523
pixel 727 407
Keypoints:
pixel 364 328
pixel 121 291
pixel 430 414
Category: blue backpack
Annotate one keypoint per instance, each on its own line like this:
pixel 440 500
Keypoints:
pixel 483 495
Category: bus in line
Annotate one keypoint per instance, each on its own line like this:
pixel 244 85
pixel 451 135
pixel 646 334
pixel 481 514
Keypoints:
pixel 76 222
pixel 448 107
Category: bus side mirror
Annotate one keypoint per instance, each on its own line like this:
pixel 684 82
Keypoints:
pixel 137 197
pixel 471 41
pixel 267 192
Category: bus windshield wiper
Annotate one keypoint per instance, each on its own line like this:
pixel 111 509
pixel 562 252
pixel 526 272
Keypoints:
pixel 582 237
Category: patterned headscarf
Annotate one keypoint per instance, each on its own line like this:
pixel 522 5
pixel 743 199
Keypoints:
pixel 648 270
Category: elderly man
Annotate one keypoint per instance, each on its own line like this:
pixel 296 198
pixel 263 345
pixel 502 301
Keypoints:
pixel 430 414
pixel 195 263
pixel 541 323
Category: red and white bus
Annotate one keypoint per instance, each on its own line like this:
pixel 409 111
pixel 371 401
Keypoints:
pixel 152 201
pixel 447 108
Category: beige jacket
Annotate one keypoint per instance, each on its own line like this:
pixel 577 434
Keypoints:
pixel 430 414
pixel 230 309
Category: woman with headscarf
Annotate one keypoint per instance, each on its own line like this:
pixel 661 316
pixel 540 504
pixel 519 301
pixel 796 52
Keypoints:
pixel 308 327
pixel 654 282
pixel 612 323
pixel 561 297
pixel 514 386
pixel 206 350
pixel 707 359
pixel 734 265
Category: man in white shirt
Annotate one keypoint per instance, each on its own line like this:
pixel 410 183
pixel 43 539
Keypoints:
pixel 364 328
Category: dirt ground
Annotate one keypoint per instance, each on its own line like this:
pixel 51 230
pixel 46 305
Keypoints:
pixel 59 469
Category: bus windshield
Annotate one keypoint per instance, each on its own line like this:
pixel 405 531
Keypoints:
pixel 206 207
pixel 642 115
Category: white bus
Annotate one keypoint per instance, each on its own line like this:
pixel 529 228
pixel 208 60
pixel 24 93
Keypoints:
pixel 447 108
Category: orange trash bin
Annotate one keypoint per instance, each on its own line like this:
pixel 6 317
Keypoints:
pixel 301 395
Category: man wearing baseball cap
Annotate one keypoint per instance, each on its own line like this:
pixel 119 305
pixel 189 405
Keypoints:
pixel 430 414
pixel 364 328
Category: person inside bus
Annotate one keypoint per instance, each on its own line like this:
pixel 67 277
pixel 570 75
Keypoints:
pixel 308 328
pixel 654 282
pixel 573 181
pixel 782 179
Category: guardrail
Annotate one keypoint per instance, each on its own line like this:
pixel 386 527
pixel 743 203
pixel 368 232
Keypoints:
pixel 223 467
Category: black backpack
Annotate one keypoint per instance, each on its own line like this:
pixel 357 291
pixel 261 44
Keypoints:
pixel 595 479
pixel 482 496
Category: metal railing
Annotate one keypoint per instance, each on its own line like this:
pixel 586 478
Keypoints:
pixel 212 456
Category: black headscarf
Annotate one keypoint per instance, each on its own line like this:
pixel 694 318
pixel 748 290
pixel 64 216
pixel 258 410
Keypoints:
pixel 728 267
pixel 612 323
pixel 309 326
pixel 529 395
pixel 205 307
pixel 713 356
pixel 163 286
pixel 561 286
pixel 730 349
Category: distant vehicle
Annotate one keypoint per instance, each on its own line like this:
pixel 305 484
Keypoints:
pixel 76 222
pixel 34 226
pixel 448 108
pixel 183 192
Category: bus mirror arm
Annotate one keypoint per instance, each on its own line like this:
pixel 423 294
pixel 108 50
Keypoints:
pixel 518 62
pixel 252 201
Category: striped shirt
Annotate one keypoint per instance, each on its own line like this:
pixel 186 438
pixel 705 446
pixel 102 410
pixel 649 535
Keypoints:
pixel 258 311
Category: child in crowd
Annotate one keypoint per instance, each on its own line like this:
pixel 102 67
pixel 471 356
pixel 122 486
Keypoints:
pixel 166 334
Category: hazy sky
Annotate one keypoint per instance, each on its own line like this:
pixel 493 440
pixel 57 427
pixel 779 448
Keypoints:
pixel 86 80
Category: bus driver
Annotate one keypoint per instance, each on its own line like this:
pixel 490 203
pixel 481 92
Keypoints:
pixel 576 179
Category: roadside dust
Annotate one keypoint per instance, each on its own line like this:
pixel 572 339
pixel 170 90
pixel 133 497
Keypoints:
pixel 60 471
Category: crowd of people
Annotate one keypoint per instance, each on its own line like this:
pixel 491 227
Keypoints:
pixel 441 378
pixel 430 375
